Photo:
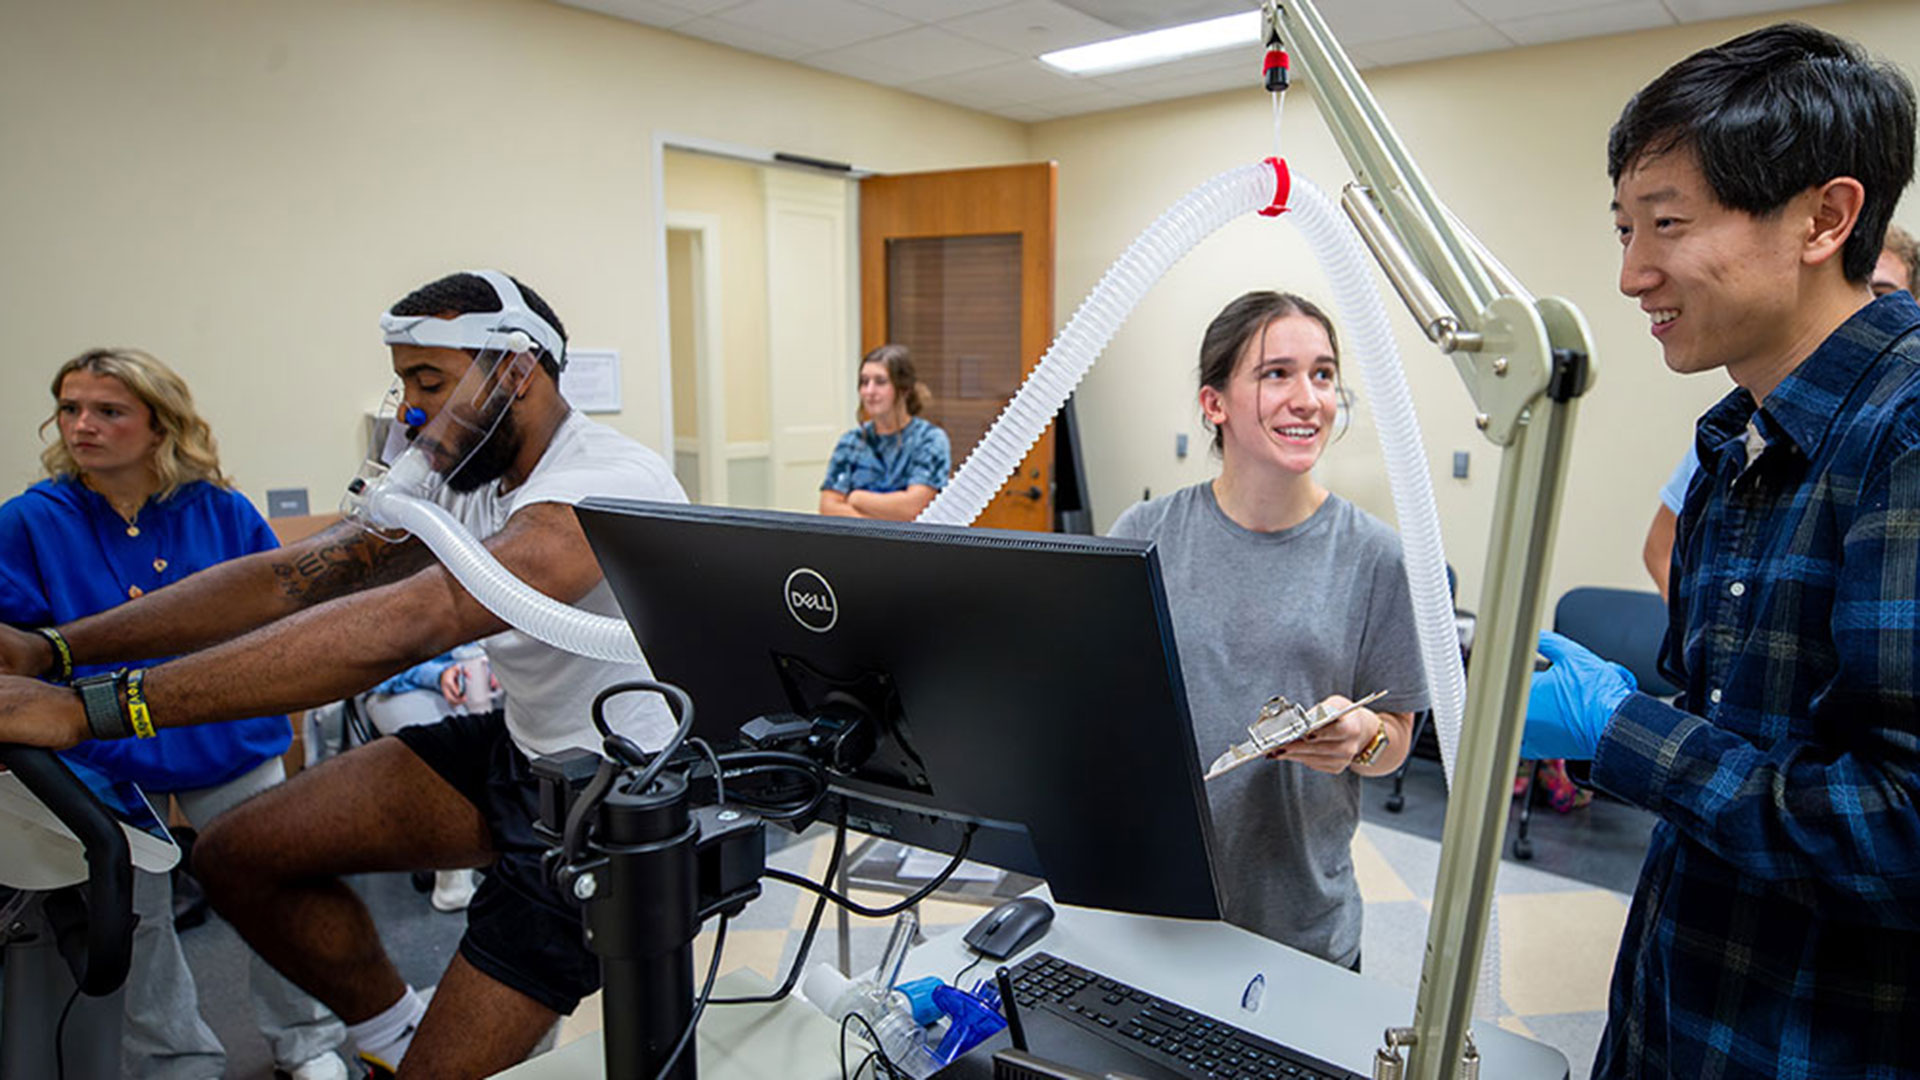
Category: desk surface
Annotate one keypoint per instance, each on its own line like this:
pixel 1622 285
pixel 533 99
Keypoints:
pixel 1324 1010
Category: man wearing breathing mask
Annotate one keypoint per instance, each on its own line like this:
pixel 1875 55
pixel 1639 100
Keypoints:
pixel 478 358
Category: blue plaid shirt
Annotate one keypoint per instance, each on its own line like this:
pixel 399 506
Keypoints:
pixel 864 460
pixel 1776 928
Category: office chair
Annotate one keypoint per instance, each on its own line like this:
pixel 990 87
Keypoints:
pixel 1622 625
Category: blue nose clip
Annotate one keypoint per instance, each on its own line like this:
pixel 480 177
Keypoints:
pixel 414 416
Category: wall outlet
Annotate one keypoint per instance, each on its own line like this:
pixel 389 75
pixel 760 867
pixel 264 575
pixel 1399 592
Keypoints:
pixel 1459 464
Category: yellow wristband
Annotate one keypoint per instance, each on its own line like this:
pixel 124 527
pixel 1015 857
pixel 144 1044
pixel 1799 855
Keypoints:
pixel 62 654
pixel 137 712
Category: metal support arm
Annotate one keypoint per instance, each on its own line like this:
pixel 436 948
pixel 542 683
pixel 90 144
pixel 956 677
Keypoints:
pixel 1525 361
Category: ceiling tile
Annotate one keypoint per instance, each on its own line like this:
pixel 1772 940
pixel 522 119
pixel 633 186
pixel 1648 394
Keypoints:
pixel 922 53
pixel 1004 84
pixel 1702 10
pixel 1203 82
pixel 1241 62
pixel 1031 27
pixel 1140 16
pixel 1596 21
pixel 1432 46
pixel 814 25
pixel 1075 104
pixel 1026 114
pixel 927 11
pixel 1357 22
pixel 741 37
pixel 1500 10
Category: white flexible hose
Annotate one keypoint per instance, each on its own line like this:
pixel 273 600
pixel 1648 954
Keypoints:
pixel 518 604
pixel 1199 214
pixel 1227 196
pixel 1345 263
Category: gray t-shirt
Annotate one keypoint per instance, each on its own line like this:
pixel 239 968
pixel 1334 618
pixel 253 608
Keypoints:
pixel 1320 608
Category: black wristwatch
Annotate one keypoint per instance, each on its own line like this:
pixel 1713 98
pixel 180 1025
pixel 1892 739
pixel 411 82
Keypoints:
pixel 101 696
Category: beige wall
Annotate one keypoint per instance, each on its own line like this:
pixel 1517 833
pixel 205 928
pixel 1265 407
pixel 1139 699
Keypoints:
pixel 1515 142
pixel 241 186
pixel 731 191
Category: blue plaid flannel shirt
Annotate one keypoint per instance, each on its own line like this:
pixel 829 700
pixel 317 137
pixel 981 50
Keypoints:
pixel 1776 928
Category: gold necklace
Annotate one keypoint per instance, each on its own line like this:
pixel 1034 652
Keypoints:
pixel 131 518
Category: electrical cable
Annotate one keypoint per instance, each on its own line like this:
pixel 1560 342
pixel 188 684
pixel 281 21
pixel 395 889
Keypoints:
pixel 966 842
pixel 60 1036
pixel 762 762
pixel 883 1062
pixel 719 785
pixel 971 964
pixel 813 926
pixel 700 1003
pixel 574 837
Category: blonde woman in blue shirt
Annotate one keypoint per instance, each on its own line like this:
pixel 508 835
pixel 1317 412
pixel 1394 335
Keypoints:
pixel 892 465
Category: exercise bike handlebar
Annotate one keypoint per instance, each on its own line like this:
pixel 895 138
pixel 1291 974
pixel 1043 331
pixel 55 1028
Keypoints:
pixel 102 966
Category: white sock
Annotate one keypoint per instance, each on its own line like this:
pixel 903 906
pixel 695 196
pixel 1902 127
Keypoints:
pixel 384 1038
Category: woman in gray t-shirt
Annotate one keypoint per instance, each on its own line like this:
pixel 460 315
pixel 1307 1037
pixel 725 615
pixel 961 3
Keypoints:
pixel 1278 586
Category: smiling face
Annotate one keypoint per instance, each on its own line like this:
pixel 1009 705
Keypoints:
pixel 877 394
pixel 105 426
pixel 1278 406
pixel 1721 287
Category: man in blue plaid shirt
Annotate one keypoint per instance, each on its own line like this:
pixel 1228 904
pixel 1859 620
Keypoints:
pixel 1776 928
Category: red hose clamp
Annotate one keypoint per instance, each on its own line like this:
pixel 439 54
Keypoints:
pixel 1273 72
pixel 1282 188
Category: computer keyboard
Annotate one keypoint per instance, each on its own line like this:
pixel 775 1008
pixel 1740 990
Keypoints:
pixel 1181 1041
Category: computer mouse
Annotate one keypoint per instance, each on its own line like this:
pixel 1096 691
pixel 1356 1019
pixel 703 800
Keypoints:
pixel 1010 927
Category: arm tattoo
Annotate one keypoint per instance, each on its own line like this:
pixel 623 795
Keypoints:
pixel 344 560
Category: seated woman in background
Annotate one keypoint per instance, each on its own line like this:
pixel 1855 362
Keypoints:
pixel 1278 586
pixel 894 464
pixel 134 500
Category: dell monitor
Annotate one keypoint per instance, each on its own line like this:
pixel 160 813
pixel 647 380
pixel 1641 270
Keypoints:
pixel 1024 686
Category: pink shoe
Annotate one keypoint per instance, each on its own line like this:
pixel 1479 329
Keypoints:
pixel 1565 795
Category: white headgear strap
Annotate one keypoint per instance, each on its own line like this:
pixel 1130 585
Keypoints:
pixel 480 329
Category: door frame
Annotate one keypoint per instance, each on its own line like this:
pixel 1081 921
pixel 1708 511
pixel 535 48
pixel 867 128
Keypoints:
pixel 710 384
pixel 664 141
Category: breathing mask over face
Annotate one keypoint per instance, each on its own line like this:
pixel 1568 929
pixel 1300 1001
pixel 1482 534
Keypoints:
pixel 422 440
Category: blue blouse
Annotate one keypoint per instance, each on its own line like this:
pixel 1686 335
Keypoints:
pixel 65 553
pixel 864 460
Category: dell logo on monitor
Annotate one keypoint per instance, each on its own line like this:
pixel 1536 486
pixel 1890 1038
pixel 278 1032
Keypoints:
pixel 810 601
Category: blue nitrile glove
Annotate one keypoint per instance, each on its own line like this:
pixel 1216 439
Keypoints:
pixel 1572 700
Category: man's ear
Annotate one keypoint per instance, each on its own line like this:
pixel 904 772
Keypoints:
pixel 1836 210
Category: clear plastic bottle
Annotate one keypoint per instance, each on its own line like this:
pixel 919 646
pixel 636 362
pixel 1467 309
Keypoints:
pixel 888 1014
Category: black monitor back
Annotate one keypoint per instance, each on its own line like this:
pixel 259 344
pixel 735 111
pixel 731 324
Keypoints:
pixel 1039 696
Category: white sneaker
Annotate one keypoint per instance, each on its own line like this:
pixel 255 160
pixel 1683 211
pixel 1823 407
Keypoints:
pixel 327 1066
pixel 452 890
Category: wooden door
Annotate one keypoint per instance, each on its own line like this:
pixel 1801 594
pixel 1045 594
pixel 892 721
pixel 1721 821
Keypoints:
pixel 958 267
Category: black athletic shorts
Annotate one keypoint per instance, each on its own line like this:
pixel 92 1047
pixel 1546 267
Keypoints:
pixel 520 930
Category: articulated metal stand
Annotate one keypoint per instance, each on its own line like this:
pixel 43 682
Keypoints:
pixel 1525 361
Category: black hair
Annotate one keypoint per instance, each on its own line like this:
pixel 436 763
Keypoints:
pixel 900 372
pixel 465 293
pixel 1772 113
pixel 1239 323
